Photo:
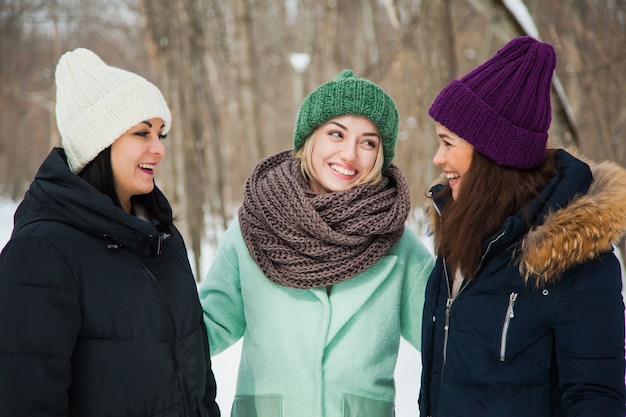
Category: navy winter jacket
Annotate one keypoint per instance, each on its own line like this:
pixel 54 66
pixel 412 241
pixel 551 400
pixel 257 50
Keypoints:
pixel 99 313
pixel 553 346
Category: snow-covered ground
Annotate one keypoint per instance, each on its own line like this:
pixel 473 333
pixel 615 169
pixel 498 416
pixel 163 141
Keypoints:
pixel 225 365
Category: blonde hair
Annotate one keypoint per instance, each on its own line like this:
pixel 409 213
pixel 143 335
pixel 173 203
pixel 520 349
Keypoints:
pixel 304 155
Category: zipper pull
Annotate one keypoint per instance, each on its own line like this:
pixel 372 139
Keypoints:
pixel 162 238
pixel 512 299
pixel 448 308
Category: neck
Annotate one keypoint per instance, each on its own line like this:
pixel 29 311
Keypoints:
pixel 126 205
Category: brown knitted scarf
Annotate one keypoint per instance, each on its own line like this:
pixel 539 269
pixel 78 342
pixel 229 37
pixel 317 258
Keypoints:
pixel 301 239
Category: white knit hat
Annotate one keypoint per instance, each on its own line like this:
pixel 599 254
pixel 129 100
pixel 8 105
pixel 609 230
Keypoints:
pixel 97 103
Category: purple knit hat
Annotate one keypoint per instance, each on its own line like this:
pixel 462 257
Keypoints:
pixel 502 107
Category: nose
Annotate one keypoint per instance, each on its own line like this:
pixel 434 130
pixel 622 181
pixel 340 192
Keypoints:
pixel 348 151
pixel 157 147
pixel 439 158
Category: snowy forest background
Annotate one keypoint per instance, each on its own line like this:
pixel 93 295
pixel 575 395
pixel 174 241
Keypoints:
pixel 235 72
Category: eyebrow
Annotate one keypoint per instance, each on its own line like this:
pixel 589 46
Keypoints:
pixel 345 128
pixel 147 123
pixel 445 136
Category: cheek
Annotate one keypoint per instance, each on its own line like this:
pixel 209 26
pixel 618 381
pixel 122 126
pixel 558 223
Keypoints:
pixel 317 165
pixel 317 156
pixel 120 163
pixel 117 165
pixel 117 154
pixel 467 161
pixel 370 161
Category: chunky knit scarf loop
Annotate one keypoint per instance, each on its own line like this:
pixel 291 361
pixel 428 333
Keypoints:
pixel 301 239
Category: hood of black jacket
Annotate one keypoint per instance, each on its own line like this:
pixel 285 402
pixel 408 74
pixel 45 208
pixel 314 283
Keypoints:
pixel 57 194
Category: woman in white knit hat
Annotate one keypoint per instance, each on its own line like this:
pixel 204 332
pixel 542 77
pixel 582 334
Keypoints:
pixel 99 314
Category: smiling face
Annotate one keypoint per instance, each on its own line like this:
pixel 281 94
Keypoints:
pixel 134 158
pixel 454 156
pixel 344 153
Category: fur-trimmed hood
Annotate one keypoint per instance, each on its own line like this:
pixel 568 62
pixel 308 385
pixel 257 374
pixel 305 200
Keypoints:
pixel 589 225
pixel 576 230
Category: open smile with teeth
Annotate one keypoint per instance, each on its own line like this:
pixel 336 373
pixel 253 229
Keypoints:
pixel 151 167
pixel 343 170
pixel 452 177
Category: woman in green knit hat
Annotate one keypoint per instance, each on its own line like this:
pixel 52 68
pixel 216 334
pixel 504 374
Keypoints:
pixel 318 274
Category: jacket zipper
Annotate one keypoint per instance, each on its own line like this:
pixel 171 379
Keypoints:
pixel 172 327
pixel 451 299
pixel 510 313
pixel 445 330
pixel 449 302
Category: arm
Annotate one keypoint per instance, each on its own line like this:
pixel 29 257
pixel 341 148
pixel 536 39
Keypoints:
pixel 418 266
pixel 589 337
pixel 220 293
pixel 39 323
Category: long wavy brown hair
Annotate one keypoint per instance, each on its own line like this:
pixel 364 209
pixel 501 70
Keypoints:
pixel 488 195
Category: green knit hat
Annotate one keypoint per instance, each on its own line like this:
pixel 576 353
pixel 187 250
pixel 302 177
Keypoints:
pixel 347 94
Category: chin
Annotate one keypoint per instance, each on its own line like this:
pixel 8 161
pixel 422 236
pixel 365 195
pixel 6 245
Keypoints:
pixel 145 191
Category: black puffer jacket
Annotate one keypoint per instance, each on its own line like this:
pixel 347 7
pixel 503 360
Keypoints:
pixel 99 313
pixel 549 347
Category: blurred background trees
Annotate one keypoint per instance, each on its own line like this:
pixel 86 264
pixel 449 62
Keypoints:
pixel 235 72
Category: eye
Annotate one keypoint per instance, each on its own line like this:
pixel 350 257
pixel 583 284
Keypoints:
pixel 371 143
pixel 335 133
pixel 162 137
pixel 142 133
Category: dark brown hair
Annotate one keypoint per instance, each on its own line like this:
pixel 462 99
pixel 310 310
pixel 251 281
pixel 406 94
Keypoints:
pixel 488 195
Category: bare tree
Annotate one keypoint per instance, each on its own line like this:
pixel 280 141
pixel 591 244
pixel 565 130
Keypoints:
pixel 180 49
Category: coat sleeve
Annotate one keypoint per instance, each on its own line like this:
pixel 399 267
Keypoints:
pixel 220 294
pixel 589 337
pixel 418 266
pixel 210 393
pixel 39 324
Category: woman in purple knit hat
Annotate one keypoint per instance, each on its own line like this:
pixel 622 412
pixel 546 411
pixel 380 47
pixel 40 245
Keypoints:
pixel 524 314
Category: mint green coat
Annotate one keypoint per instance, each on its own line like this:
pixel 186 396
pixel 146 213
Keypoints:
pixel 308 354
